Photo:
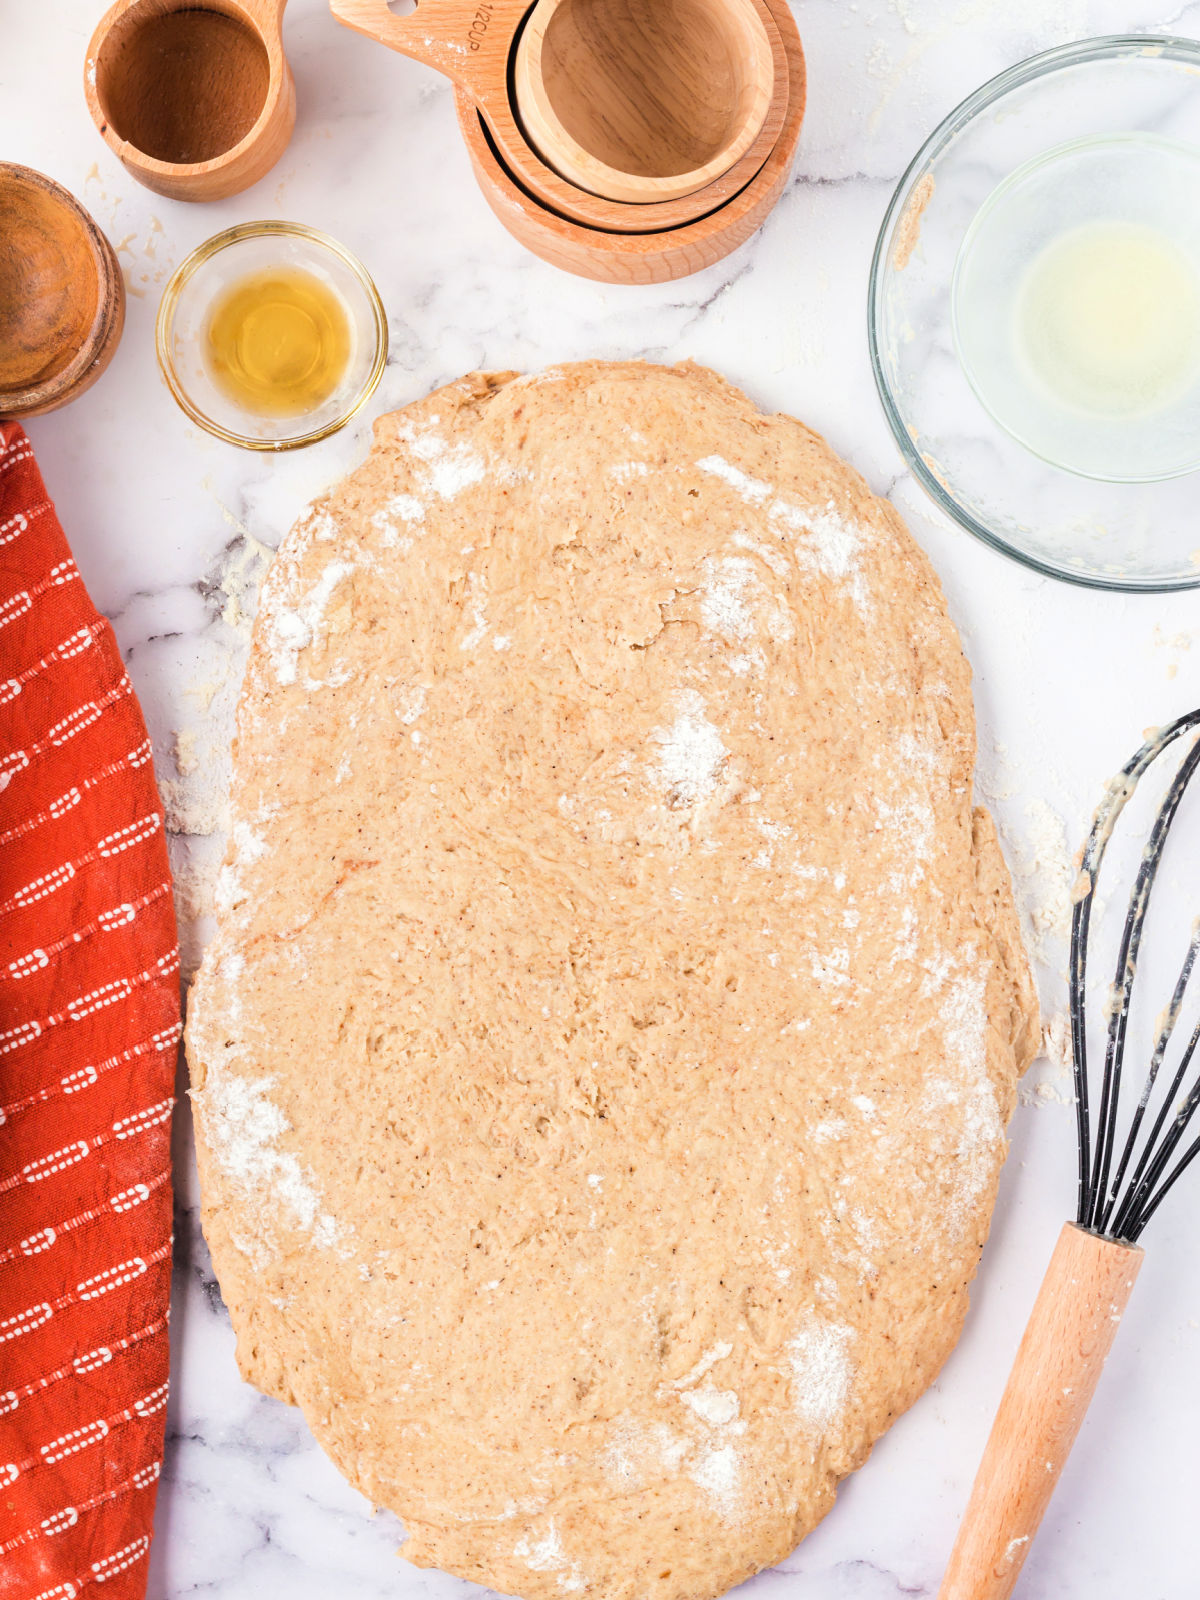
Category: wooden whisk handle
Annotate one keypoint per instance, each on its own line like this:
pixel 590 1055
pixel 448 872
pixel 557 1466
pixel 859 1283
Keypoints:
pixel 1071 1330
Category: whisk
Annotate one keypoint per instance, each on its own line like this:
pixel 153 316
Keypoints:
pixel 1123 1179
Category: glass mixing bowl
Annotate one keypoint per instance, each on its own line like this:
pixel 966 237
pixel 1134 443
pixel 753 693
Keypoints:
pixel 1114 535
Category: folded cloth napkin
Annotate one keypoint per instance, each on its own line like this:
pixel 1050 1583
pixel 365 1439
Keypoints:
pixel 89 1022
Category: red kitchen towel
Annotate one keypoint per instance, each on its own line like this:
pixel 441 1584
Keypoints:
pixel 89 1022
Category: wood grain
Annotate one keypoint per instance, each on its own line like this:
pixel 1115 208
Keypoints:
pixel 62 297
pixel 198 103
pixel 653 216
pixel 1070 1332
pixel 474 47
pixel 642 100
pixel 641 258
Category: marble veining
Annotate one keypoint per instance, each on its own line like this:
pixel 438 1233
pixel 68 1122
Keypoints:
pixel 173 531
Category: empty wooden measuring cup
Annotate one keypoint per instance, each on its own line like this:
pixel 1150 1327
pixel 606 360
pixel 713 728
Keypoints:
pixel 638 101
pixel 653 216
pixel 643 100
pixel 196 100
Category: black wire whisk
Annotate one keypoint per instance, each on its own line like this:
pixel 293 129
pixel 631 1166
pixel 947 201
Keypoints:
pixel 1119 1204
pixel 1123 1179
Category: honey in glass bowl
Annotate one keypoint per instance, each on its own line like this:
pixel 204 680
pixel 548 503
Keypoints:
pixel 278 342
pixel 271 335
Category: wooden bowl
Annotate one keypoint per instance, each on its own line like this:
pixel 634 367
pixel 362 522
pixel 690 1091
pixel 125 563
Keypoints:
pixel 619 216
pixel 62 297
pixel 643 100
pixel 641 257
pixel 197 101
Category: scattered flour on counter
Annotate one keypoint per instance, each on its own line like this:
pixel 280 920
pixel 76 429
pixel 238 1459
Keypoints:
pixel 187 762
pixel 1056 1042
pixel 1046 872
pixel 188 813
pixel 1055 1085
pixel 821 1370
pixel 691 753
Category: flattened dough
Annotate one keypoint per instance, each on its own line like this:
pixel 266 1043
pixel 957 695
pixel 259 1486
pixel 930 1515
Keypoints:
pixel 602 1064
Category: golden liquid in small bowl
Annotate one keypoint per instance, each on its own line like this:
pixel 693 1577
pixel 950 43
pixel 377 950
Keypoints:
pixel 278 342
pixel 271 335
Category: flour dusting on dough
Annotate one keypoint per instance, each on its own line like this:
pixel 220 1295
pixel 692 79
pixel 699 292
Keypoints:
pixel 296 628
pixel 404 508
pixel 726 600
pixel 752 489
pixel 638 1452
pixel 822 538
pixel 719 1473
pixel 547 1555
pixel 246 848
pixel 244 1127
pixel 449 469
pixel 721 1351
pixel 821 1370
pixel 690 753
pixel 717 1407
pixel 961 1102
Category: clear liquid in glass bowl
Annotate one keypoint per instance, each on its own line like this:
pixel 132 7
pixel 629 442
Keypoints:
pixel 1076 307
pixel 1100 530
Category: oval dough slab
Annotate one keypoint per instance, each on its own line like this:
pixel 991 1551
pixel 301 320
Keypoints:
pixel 602 1064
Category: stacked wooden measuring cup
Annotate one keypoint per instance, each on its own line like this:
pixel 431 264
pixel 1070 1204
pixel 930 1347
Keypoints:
pixel 632 141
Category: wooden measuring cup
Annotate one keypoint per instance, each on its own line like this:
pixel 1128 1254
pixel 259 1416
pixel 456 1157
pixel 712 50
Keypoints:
pixel 197 101
pixel 714 66
pixel 655 216
pixel 613 257
pixel 643 101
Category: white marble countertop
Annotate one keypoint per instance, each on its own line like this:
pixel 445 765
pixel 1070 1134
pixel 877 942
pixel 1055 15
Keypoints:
pixel 171 529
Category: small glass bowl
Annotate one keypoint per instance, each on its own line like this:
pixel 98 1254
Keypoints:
pixel 182 326
pixel 1133 536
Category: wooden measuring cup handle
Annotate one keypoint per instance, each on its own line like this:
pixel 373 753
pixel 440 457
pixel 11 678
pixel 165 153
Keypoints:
pixel 267 13
pixel 468 40
pixel 1070 1332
